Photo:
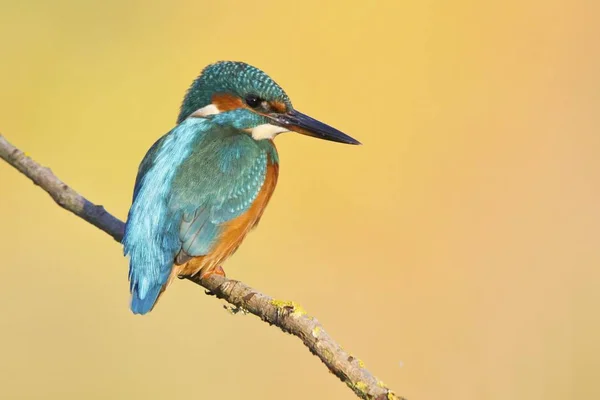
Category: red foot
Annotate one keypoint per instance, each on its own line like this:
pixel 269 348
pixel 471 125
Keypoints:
pixel 218 270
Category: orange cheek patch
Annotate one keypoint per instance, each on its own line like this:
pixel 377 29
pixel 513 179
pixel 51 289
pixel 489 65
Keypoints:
pixel 226 102
pixel 278 106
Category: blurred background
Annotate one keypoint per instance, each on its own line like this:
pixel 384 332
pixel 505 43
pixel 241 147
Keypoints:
pixel 456 252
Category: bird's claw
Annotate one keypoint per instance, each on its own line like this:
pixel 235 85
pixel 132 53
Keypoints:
pixel 218 270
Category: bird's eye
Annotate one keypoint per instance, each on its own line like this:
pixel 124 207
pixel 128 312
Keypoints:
pixel 253 100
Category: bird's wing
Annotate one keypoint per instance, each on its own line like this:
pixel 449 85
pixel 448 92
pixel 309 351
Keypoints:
pixel 146 163
pixel 214 186
pixel 191 182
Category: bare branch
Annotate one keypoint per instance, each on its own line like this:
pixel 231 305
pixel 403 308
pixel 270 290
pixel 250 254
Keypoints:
pixel 286 315
pixel 64 196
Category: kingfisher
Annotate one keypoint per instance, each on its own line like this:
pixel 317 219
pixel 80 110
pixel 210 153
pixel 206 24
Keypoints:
pixel 205 184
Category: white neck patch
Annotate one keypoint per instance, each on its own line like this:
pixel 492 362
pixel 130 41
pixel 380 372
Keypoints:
pixel 210 109
pixel 266 131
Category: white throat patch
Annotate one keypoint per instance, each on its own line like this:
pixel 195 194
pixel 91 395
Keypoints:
pixel 266 131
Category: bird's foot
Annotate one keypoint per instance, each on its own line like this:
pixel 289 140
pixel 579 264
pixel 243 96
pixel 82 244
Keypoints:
pixel 218 270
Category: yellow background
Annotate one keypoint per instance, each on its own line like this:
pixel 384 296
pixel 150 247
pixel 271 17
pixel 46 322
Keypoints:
pixel 456 252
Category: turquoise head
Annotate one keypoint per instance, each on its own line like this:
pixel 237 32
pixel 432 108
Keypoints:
pixel 241 95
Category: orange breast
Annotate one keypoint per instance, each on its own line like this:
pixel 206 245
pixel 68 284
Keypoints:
pixel 234 231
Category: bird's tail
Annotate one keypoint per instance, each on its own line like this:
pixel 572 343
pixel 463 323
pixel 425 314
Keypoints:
pixel 143 306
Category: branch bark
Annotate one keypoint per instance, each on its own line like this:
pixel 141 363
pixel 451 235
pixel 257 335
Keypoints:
pixel 287 315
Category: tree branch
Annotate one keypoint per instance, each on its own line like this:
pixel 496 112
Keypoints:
pixel 286 315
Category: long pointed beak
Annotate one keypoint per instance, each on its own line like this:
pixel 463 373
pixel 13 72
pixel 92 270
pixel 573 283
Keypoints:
pixel 302 123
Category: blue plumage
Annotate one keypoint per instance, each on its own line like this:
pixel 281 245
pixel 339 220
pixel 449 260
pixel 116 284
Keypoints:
pixel 216 183
pixel 196 178
pixel 142 306
pixel 151 233
pixel 230 77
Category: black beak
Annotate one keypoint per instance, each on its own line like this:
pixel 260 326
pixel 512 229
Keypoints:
pixel 301 123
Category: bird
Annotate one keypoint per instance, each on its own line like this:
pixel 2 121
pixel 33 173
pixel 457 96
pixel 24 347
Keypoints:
pixel 205 184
